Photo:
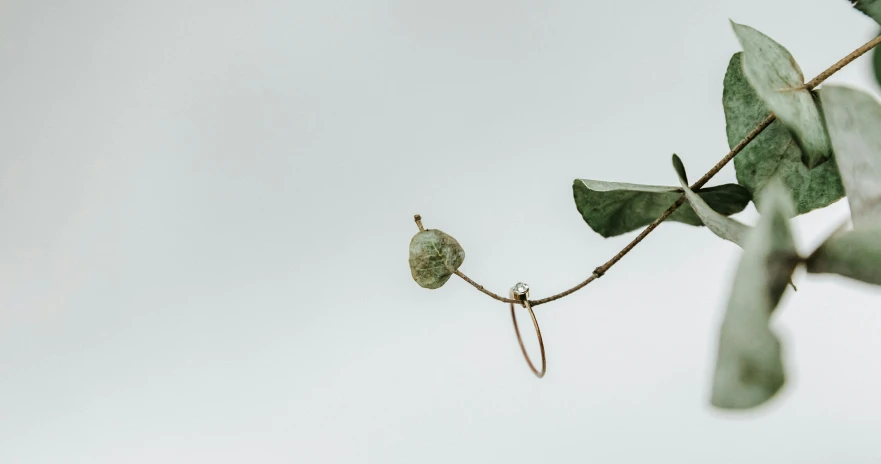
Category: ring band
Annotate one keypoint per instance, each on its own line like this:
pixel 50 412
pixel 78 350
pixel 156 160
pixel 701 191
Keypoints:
pixel 521 292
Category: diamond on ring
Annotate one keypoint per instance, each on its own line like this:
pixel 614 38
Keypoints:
pixel 521 289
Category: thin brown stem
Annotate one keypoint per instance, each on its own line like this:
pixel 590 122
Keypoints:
pixel 601 270
pixel 843 62
pixel 484 290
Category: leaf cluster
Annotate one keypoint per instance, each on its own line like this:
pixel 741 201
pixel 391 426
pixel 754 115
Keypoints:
pixel 823 145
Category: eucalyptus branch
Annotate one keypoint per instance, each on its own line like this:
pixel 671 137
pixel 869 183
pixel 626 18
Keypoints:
pixel 601 270
pixel 799 150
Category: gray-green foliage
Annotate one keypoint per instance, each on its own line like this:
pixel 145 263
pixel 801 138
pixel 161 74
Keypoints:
pixel 872 8
pixel 723 226
pixel 854 120
pixel 876 65
pixel 777 79
pixel 854 253
pixel 614 208
pixel 822 144
pixel 749 369
pixel 774 152
pixel 434 256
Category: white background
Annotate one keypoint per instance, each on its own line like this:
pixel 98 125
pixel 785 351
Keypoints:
pixel 206 208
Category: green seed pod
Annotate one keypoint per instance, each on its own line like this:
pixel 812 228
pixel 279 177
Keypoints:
pixel 434 256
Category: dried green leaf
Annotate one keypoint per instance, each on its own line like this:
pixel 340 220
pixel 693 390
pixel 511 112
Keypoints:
pixel 854 253
pixel 749 368
pixel 434 257
pixel 613 208
pixel 854 121
pixel 725 227
pixel 779 82
pixel 774 152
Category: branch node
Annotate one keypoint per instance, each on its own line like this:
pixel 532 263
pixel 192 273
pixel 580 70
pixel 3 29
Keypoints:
pixel 599 272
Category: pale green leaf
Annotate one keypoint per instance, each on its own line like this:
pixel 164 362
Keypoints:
pixel 773 153
pixel 612 208
pixel 749 368
pixel 854 121
pixel 725 227
pixel 854 253
pixel 779 82
pixel 434 257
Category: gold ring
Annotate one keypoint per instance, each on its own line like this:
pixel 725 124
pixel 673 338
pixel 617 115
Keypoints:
pixel 520 292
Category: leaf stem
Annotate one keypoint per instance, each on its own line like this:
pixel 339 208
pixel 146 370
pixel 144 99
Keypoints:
pixel 601 270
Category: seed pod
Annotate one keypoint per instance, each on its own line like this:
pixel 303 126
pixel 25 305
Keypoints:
pixel 434 256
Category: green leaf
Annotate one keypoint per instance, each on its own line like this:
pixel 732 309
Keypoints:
pixel 749 368
pixel 613 208
pixel 434 256
pixel 774 151
pixel 854 120
pixel 854 253
pixel 779 82
pixel 680 170
pixel 725 227
pixel 876 64
pixel 872 8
